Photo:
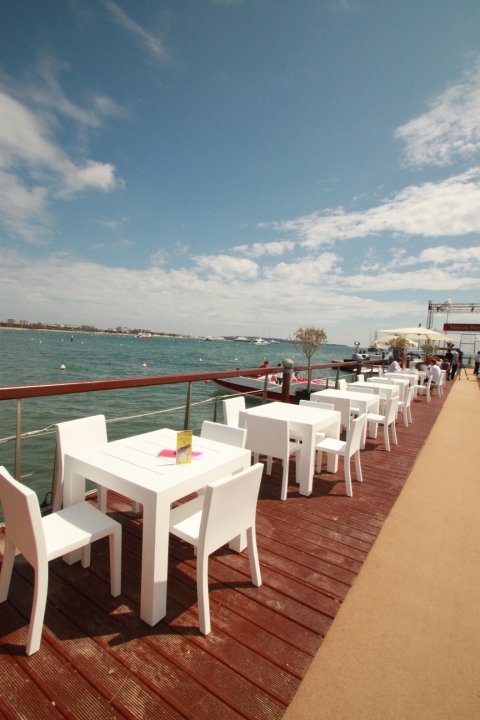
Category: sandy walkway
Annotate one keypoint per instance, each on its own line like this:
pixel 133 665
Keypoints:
pixel 406 642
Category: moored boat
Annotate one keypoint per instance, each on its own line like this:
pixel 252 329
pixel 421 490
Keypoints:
pixel 243 384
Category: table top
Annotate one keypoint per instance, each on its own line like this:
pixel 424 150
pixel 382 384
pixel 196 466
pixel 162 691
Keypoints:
pixel 386 389
pixel 136 461
pixel 292 413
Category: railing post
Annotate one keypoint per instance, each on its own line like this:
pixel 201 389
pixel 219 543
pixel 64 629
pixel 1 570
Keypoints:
pixel 188 407
pixel 18 435
pixel 337 378
pixel 287 376
pixel 265 389
pixel 215 410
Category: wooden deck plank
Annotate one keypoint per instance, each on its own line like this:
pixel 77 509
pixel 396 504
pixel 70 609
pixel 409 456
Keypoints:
pixel 99 659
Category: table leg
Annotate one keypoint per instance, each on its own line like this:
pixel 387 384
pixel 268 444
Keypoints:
pixel 73 492
pixel 153 597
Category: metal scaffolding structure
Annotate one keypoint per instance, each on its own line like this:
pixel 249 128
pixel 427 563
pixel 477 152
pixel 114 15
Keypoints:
pixel 448 307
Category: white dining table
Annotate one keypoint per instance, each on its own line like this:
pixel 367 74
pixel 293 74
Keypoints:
pixel 305 422
pixel 397 379
pixel 365 402
pixel 135 468
pixel 385 390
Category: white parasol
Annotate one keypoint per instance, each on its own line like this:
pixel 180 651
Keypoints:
pixel 420 333
pixel 389 339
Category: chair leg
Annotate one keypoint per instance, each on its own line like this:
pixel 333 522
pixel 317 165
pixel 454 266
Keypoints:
pixel 202 594
pixel 358 467
pixel 387 439
pixel 394 433
pixel 253 557
pixel 115 549
pixel 319 461
pixel 269 465
pixel 38 609
pixel 7 567
pixel 348 477
pixel 135 506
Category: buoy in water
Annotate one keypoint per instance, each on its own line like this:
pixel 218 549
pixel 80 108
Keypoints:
pixel 144 365
pixel 62 367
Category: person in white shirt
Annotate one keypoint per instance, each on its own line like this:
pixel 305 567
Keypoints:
pixel 394 366
pixel 435 373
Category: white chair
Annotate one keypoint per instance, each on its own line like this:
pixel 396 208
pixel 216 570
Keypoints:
pixel 224 433
pixel 342 384
pixel 87 432
pixel 347 449
pixel 43 539
pixel 271 437
pixel 360 378
pixel 226 509
pixel 231 409
pixel 424 389
pixel 387 420
pixel 404 406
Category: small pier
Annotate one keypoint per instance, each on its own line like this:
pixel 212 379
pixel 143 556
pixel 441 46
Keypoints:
pixel 99 660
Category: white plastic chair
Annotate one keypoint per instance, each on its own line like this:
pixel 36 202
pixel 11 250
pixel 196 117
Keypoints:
pixel 348 448
pixel 342 384
pixel 424 389
pixel 387 420
pixel 271 437
pixel 404 406
pixel 43 539
pixel 226 509
pixel 224 433
pixel 231 409
pixel 87 432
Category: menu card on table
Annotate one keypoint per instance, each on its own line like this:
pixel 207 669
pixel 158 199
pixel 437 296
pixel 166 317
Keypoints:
pixel 184 447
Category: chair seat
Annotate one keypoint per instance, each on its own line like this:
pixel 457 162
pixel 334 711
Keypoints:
pixel 331 444
pixel 185 519
pixel 73 527
pixel 374 417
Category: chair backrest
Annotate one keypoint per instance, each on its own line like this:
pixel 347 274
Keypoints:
pixel 363 388
pixel 342 384
pixel 343 406
pixel 317 404
pixel 360 378
pixel 409 396
pixel 224 433
pixel 231 409
pixel 391 410
pixel 354 435
pixel 73 435
pixel 268 436
pixel 23 521
pixel 229 507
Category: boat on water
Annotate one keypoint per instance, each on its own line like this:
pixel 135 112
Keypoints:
pixel 243 384
pixel 260 341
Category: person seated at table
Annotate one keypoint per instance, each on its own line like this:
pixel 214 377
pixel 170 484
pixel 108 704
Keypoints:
pixel 394 366
pixel 435 373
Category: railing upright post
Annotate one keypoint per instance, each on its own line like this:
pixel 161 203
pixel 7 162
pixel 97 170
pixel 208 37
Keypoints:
pixel 188 407
pixel 287 376
pixel 265 389
pixel 337 378
pixel 215 410
pixel 18 435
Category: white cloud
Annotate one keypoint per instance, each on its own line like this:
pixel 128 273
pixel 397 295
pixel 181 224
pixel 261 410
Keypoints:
pixel 35 168
pixel 276 247
pixel 447 208
pixel 146 40
pixel 227 267
pixel 450 129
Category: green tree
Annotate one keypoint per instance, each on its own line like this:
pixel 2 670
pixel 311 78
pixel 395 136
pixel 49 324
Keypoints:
pixel 398 346
pixel 307 340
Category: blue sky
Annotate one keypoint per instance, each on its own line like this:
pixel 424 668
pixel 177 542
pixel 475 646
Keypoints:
pixel 239 166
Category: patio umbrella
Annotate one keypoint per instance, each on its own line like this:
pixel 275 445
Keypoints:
pixel 420 333
pixel 388 339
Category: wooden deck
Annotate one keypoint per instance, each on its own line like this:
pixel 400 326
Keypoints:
pixel 98 660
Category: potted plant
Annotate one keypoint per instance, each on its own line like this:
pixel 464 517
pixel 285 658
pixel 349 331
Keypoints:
pixel 307 340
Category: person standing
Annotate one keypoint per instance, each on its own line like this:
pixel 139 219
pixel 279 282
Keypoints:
pixel 477 363
pixel 454 365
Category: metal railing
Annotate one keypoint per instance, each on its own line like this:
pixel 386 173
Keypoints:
pixel 24 392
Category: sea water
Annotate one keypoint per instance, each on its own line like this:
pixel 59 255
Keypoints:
pixel 29 357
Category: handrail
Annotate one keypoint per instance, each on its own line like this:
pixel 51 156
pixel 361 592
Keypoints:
pixel 17 392
pixel 20 392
